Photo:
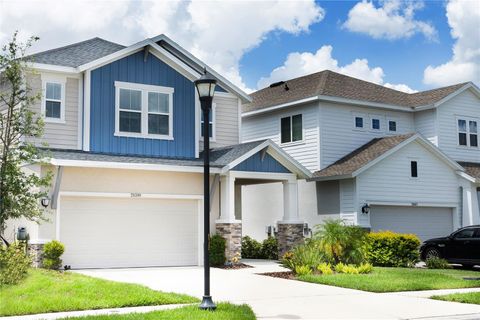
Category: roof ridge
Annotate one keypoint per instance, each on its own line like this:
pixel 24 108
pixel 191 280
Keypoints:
pixel 440 88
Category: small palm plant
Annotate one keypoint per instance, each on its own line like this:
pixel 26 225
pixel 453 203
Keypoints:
pixel 341 243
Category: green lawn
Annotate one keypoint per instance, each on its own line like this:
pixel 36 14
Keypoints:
pixel 49 291
pixel 225 311
pixel 470 297
pixel 398 279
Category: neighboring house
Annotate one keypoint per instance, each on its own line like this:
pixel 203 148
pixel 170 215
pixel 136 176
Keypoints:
pixel 124 128
pixel 410 161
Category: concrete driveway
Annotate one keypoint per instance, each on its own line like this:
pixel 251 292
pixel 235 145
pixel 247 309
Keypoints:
pixel 273 298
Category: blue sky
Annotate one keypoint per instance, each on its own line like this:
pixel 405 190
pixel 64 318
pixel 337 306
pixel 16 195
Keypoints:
pixel 403 60
pixel 402 44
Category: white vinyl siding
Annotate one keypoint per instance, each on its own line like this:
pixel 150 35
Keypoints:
pixel 267 126
pixel 390 180
pixel 348 200
pixel 63 135
pixel 339 136
pixel 466 105
pixel 425 124
pixel 226 121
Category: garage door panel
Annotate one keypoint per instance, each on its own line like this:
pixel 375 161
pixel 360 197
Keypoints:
pixel 118 232
pixel 425 222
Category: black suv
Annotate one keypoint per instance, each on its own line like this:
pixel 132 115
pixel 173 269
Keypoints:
pixel 461 247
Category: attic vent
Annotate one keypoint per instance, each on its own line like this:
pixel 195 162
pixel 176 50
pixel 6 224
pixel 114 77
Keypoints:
pixel 276 84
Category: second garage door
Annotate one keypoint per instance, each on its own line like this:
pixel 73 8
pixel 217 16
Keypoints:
pixel 123 232
pixel 426 222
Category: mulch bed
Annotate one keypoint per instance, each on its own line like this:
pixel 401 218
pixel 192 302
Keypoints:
pixel 282 274
pixel 235 266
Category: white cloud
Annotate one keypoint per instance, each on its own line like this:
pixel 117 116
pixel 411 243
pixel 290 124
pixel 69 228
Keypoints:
pixel 218 32
pixel 394 19
pixel 299 64
pixel 464 20
pixel 400 87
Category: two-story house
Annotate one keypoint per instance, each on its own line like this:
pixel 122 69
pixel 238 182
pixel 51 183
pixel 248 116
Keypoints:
pixel 123 127
pixel 382 159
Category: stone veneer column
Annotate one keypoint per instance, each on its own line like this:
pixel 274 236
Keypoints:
pixel 35 250
pixel 232 233
pixel 289 235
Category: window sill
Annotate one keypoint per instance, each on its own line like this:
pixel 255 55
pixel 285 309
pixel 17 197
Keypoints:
pixel 54 120
pixel 143 136
pixel 467 147
pixel 291 144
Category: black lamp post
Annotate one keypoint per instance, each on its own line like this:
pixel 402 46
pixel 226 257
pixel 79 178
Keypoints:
pixel 206 89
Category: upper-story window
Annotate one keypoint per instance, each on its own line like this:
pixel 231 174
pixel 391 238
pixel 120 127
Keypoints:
pixel 375 124
pixel 392 125
pixel 53 103
pixel 291 129
pixel 414 169
pixel 358 122
pixel 211 122
pixel 143 111
pixel 467 132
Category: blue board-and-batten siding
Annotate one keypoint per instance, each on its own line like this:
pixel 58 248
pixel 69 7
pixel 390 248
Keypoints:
pixel 256 164
pixel 153 71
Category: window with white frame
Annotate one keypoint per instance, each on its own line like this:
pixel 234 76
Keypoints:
pixel 144 110
pixel 467 132
pixel 358 122
pixel 392 125
pixel 291 129
pixel 211 122
pixel 375 123
pixel 53 105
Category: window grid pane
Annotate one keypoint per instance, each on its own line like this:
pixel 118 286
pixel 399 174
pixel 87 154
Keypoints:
pixel 375 124
pixel 130 99
pixel 462 139
pixel 462 125
pixel 358 122
pixel 158 124
pixel 53 109
pixel 392 126
pixel 54 91
pixel 158 103
pixel 473 126
pixel 474 140
pixel 285 130
pixel 130 121
pixel 297 128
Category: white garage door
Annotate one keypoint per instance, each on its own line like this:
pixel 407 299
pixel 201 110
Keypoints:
pixel 425 222
pixel 121 232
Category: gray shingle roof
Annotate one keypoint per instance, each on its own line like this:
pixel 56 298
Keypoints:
pixel 219 157
pixel 77 54
pixel 329 83
pixel 471 168
pixel 361 156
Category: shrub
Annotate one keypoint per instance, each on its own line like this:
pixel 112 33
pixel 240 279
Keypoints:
pixel 14 264
pixel 217 250
pixel 389 249
pixel 437 263
pixel 269 249
pixel 365 268
pixel 52 251
pixel 303 270
pixel 308 254
pixel 251 248
pixel 341 243
pixel 325 268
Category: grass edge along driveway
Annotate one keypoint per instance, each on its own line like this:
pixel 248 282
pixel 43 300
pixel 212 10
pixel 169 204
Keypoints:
pixel 467 297
pixel 46 291
pixel 225 311
pixel 398 279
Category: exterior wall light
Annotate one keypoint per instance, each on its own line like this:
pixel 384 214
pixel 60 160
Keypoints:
pixel 366 208
pixel 45 202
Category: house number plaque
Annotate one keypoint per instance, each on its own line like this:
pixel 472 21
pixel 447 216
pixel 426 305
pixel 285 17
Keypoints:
pixel 135 195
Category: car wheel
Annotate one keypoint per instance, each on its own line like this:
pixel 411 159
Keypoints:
pixel 432 253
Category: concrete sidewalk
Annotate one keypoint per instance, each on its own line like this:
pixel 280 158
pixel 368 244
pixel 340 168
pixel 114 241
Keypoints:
pixel 274 298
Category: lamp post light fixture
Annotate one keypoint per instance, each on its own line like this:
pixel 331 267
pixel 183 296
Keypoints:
pixel 45 202
pixel 206 89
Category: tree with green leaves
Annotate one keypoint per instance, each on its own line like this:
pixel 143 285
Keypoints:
pixel 20 189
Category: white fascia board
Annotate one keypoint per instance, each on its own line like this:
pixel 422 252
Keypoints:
pixel 114 56
pixel 247 155
pixel 440 154
pixel 53 68
pixel 469 85
pixel 331 178
pixel 173 61
pixel 223 81
pixel 467 176
pixel 128 166
pixel 279 106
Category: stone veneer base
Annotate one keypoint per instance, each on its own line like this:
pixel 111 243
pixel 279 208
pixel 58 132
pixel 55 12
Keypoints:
pixel 232 233
pixel 36 252
pixel 289 235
